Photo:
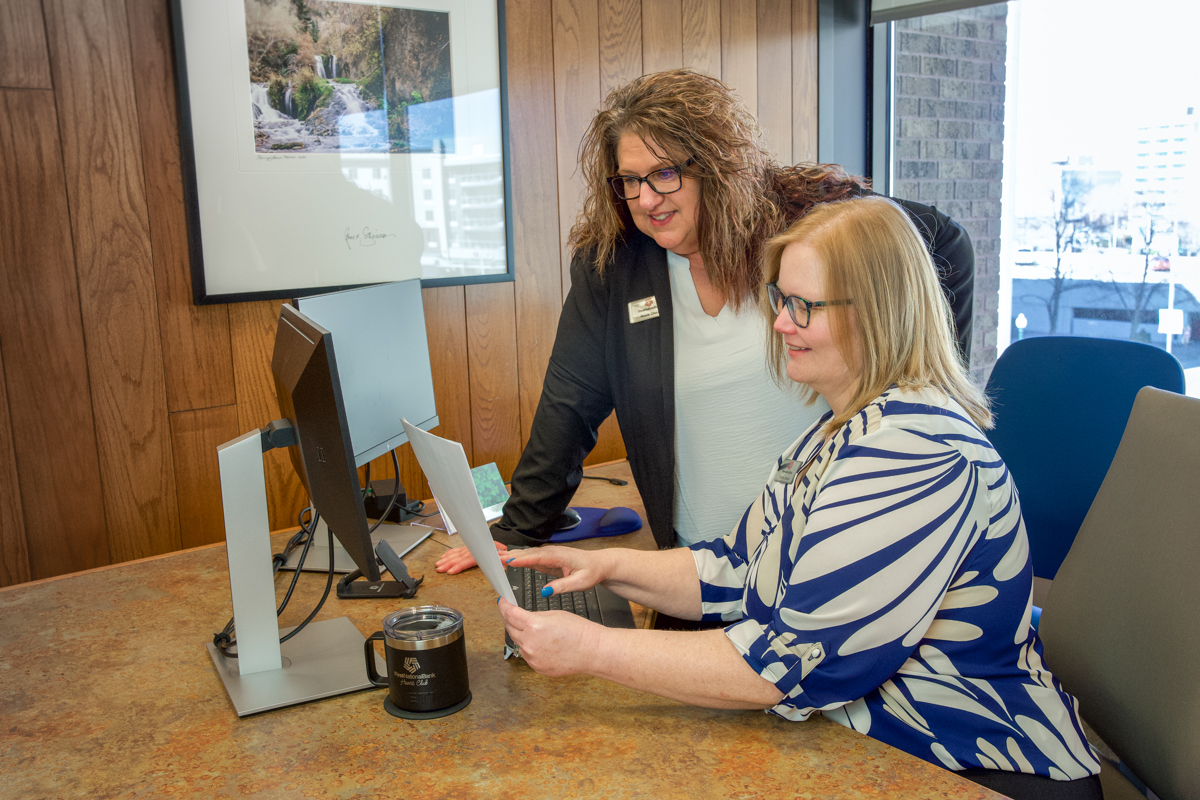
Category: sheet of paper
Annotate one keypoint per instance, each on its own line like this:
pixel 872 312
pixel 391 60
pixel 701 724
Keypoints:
pixel 445 466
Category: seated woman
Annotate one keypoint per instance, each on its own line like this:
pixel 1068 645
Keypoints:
pixel 883 575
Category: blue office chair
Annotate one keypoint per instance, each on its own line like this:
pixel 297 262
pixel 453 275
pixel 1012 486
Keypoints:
pixel 1060 406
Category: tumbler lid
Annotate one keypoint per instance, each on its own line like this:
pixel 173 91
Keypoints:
pixel 426 625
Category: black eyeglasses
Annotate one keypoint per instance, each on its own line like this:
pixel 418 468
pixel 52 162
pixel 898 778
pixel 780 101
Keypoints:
pixel 667 180
pixel 797 306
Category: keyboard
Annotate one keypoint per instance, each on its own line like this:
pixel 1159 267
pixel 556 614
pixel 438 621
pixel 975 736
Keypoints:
pixel 528 589
pixel 597 604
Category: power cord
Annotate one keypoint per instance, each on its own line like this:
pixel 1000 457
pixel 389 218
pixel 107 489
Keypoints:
pixel 395 491
pixel 613 481
pixel 413 509
pixel 225 640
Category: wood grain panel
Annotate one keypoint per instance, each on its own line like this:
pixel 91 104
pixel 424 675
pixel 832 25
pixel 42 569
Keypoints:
pixel 252 328
pixel 739 39
pixel 195 339
pixel 23 46
pixel 620 43
pixel 662 35
pixel 14 554
pixel 609 444
pixel 89 48
pixel 492 355
pixel 195 437
pixel 702 35
pixel 446 323
pixel 775 76
pixel 804 81
pixel 576 97
pixel 539 280
pixel 41 332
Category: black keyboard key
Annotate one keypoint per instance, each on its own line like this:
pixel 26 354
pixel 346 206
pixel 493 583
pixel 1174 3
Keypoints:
pixel 592 607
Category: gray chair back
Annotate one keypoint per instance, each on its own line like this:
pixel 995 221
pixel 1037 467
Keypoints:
pixel 1121 626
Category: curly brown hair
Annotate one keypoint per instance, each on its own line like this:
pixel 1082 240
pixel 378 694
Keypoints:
pixel 745 196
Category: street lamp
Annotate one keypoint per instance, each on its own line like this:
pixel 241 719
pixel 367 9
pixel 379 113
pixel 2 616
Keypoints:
pixel 1021 322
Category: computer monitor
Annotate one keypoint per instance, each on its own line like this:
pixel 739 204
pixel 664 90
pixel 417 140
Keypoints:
pixel 383 361
pixel 324 659
pixel 385 375
pixel 310 396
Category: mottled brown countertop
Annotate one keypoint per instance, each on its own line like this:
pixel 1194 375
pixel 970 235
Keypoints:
pixel 107 690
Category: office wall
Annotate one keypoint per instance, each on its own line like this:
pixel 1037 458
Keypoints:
pixel 115 390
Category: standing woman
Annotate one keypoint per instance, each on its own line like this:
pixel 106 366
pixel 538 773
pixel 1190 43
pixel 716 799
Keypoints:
pixel 661 320
pixel 882 576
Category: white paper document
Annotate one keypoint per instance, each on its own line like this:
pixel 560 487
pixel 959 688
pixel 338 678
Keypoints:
pixel 445 466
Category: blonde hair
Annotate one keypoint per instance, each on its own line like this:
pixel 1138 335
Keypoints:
pixel 902 331
pixel 745 197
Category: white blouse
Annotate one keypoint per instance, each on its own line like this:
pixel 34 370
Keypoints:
pixel 730 416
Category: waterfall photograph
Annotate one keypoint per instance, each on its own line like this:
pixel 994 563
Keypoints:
pixel 331 77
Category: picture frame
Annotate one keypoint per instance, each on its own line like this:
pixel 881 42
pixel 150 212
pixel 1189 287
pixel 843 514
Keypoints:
pixel 327 145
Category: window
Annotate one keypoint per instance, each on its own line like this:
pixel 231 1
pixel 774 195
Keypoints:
pixel 1066 156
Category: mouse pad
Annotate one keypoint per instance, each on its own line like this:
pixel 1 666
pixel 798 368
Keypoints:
pixel 595 522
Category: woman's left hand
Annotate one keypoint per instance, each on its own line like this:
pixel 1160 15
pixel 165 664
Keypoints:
pixel 553 643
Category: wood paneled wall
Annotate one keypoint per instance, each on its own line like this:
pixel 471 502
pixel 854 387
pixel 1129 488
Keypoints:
pixel 115 390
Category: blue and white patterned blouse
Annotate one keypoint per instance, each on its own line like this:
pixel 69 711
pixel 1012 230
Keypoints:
pixel 890 589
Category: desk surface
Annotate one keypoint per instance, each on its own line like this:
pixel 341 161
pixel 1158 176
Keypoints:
pixel 107 690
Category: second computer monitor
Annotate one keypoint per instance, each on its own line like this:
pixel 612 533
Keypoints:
pixel 383 361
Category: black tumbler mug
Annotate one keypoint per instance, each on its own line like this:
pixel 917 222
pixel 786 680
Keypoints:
pixel 426 657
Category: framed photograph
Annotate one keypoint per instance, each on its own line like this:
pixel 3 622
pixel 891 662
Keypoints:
pixel 335 144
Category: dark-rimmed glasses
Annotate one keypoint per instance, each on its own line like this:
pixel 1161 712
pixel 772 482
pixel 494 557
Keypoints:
pixel 667 180
pixel 798 308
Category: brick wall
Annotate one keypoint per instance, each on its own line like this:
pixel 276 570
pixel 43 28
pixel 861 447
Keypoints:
pixel 949 139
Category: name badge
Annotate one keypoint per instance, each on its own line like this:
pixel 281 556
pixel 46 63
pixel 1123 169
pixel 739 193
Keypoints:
pixel 644 309
pixel 788 470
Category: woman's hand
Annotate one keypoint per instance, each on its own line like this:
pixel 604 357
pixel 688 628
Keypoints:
pixel 577 570
pixel 553 643
pixel 458 559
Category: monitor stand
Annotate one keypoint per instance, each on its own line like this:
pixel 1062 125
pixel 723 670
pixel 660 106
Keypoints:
pixel 313 667
pixel 402 538
pixel 325 659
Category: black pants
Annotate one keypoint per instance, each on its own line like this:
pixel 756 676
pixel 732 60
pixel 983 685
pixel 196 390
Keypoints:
pixel 1021 786
pixel 665 622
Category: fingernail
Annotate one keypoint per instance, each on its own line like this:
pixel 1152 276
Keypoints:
pixel 497 601
pixel 547 591
pixel 506 563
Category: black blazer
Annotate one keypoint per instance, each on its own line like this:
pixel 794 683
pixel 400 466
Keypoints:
pixel 601 361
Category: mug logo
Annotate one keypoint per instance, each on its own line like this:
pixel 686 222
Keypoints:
pixel 411 665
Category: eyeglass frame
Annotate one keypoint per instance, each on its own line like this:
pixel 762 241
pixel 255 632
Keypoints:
pixel 785 301
pixel 646 180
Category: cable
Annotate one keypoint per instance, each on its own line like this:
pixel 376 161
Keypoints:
pixel 225 640
pixel 308 539
pixel 395 491
pixel 415 507
pixel 324 595
pixel 615 481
